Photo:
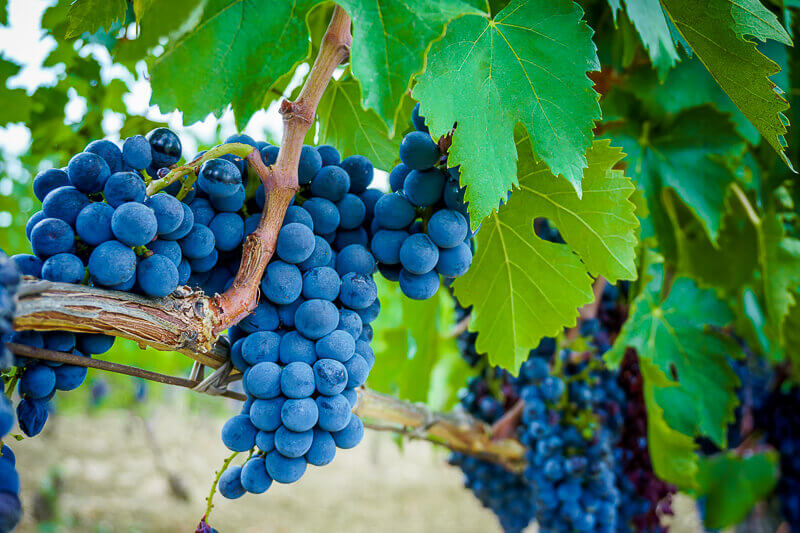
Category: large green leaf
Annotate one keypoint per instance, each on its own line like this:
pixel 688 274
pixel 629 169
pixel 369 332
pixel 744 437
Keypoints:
pixel 689 154
pixel 345 124
pixel 390 39
pixel 649 20
pixel 778 257
pixel 720 34
pixel 523 288
pixel 733 485
pixel 92 15
pixel 675 336
pixel 527 65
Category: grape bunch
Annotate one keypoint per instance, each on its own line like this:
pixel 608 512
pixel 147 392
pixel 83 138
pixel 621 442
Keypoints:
pixel 10 505
pixel 306 347
pixel 421 229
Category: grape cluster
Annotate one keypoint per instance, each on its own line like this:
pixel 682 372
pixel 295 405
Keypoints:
pixel 306 347
pixel 421 229
pixel 10 505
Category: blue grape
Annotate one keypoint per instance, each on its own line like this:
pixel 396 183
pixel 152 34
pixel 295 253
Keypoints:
pixel 204 264
pixel 69 377
pixel 295 347
pixel 266 414
pixel 157 276
pixel 169 249
pixel 9 479
pixel 136 152
pixel 52 236
pixel 94 343
pixel 299 414
pixel 263 381
pixel 295 242
pixel 418 151
pixel 350 322
pixel 112 263
pixel 419 254
pixel 417 120
pixel 334 412
pixel 229 204
pixel 109 151
pixel 239 434
pixel 269 155
pixel 368 314
pixel 397 177
pixel 202 211
pixel 358 290
pixel 31 416
pixel 338 345
pixel 351 435
pixel 454 262
pixel 64 203
pixel 329 155
pixel 447 228
pixel 331 183
pixel 32 221
pixel 394 211
pixel 316 318
pixel 198 243
pixel 325 215
pixel 37 382
pixel 320 256
pixel 49 180
pixel 265 440
pixel 168 211
pixel 285 469
pixel 346 238
pixel 424 187
pixel 360 170
pixel 60 341
pixel 322 450
pixel 282 282
pixel 357 371
pixel 355 258
pixel 230 483
pixel 187 223
pixel 297 380
pixel 93 223
pixel 165 147
pixel 321 282
pixel 66 268
pixel 228 230
pixel 219 177
pixel 330 376
pixel 6 423
pixel 419 287
pixel 254 477
pixel 292 443
pixel 184 271
pixel 88 172
pixel 134 224
pixel 351 211
pixel 264 317
pixel 363 349
pixel 310 163
pixel 123 187
pixel 296 213
pixel 386 245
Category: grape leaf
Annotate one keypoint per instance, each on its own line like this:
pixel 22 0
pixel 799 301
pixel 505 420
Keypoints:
pixel 734 484
pixel 16 102
pixel 690 154
pixel 225 55
pixel 92 15
pixel 345 124
pixel 651 24
pixel 778 257
pixel 526 65
pixel 390 39
pixel 718 33
pixel 524 288
pixel 675 336
pixel 671 452
pixel 4 12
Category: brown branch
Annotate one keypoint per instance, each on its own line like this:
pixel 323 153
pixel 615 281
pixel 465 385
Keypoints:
pixel 506 426
pixel 77 360
pixel 280 180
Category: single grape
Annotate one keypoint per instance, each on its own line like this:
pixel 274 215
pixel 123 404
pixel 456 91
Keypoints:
pixel 49 180
pixel 394 211
pixel 417 120
pixel 94 343
pixel 299 414
pixel 330 376
pixel 322 450
pixel 230 483
pixel 321 256
pixel 169 249
pixel 419 287
pixel 165 146
pixel 219 177
pixel 351 211
pixel 202 210
pixel 295 242
pixel 199 242
pixel 294 347
pixel 418 151
pixel 123 187
pixel 351 435
pixel 261 347
pixel 112 263
pixel 254 476
pixel 228 230
pixel 284 469
pixel 321 282
pixel 397 177
pixel 335 412
pixel 263 380
pixel 291 443
pixel 358 290
pixel 360 170
pixel 386 245
pixel 296 213
pixel 325 215
pixel 88 172
pixel 66 268
pixel 266 414
pixel 350 322
pixel 357 371
pixel 331 183
pixel 229 204
pixel 93 223
pixel 187 223
pixel 419 254
pixel 263 318
pixel 134 224
pixel 168 211
pixel 310 163
pixel 52 236
pixel 282 282
pixel 157 276
pixel 109 151
pixel 424 188
pixel 355 258
pixel 64 203
pixel 329 155
pixel 447 228
pixel 316 318
pixel 454 262
pixel 136 152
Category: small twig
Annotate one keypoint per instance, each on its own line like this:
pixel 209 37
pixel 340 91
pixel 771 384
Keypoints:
pixel 506 426
pixel 748 207
pixel 77 360
pixel 210 497
pixel 192 167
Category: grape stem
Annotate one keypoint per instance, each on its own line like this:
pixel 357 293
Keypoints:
pixel 280 179
pixel 210 497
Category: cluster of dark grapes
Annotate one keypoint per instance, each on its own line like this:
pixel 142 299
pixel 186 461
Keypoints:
pixel 421 230
pixel 306 347
pixel 10 505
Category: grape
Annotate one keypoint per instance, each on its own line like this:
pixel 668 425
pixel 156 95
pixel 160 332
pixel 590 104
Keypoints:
pixel 346 238
pixel 230 483
pixel 94 343
pixel 297 380
pixel 282 282
pixel 169 249
pixel 295 242
pixel 358 291
pixel 60 341
pixel 37 382
pixel 134 224
pixel 264 317
pixel 321 256
pixel 424 187
pixel 299 414
pixel 112 263
pixel 198 243
pixel 355 258
pixel 324 213
pixel 88 172
pixel 447 228
pixel 321 282
pixel 293 444
pixel 219 177
pixel 165 146
pixel 322 450
pixel 241 138
pixel 351 435
pixel 266 414
pixel 168 211
pixel 360 170
pixel 454 262
pixel 328 154
pixel 386 245
pixel 123 187
pixel 394 211
pixel 263 381
pixel 417 120
pixel 295 347
pixel 204 264
pixel 6 423
pixel 296 213
pixel 284 469
pixel 334 412
pixel 310 163
pixel 330 376
pixel 52 236
pixel 202 211
pixel 93 223
pixel 370 197
pixel 351 211
pixel 331 183
pixel 184 271
pixel 187 223
pixel 419 287
pixel 338 345
pixel 9 479
pixel 228 230
pixel 269 155
pixel 418 151
pixel 254 476
pixel 66 268
pixel 109 151
pixel 239 434
pixel 419 254
pixel 231 203
pixel 136 152
pixel 316 318
pixel 64 203
pixel 265 440
pixel 31 416
pixel 368 314
pixel 157 276
pixel 363 349
pixel 397 177
pixel 35 219
pixel 357 371
pixel 69 377
pixel 49 180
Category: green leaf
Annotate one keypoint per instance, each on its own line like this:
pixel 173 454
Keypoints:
pixel 675 336
pixel 671 452
pixel 92 15
pixel 649 20
pixel 779 257
pixel 718 33
pixel 236 53
pixel 527 65
pixel 4 12
pixel 690 154
pixel 524 288
pixel 734 484
pixel 345 124
pixel 16 102
pixel 390 39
